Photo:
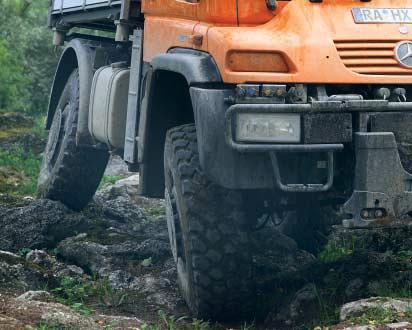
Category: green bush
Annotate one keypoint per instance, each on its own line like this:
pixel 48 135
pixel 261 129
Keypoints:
pixel 27 57
pixel 11 79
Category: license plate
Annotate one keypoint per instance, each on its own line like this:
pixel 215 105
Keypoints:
pixel 382 15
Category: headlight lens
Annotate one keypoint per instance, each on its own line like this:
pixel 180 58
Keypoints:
pixel 268 127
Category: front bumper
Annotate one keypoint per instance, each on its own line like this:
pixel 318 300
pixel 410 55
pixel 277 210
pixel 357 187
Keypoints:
pixel 334 113
pixel 372 137
pixel 327 126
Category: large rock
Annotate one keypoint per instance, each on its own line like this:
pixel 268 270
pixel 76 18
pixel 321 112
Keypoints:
pixel 40 224
pixel 120 257
pixel 122 198
pixel 120 234
pixel 389 326
pixel 126 188
pixel 278 263
pixel 380 240
pixel 86 254
pixel 355 265
pixel 119 322
pixel 41 258
pixel 117 167
pixel 36 296
pixel 18 275
pixel 30 313
pixel 121 211
pixel 357 308
pixel 140 270
pixel 58 269
pixel 128 248
pixel 373 261
pixel 276 254
pixel 125 242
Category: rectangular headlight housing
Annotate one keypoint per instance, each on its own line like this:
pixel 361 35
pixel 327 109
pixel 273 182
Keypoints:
pixel 268 127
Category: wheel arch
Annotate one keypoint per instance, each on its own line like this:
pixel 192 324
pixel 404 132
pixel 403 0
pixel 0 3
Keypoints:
pixel 167 103
pixel 77 55
pixel 197 67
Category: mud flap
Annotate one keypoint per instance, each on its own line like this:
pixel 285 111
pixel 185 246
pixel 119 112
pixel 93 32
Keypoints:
pixel 382 188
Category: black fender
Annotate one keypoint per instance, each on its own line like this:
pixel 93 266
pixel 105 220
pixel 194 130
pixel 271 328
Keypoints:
pixel 87 56
pixel 78 54
pixel 196 66
pixel 166 103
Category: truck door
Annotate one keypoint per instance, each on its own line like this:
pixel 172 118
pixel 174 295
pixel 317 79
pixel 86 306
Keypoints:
pixel 218 11
pixel 253 12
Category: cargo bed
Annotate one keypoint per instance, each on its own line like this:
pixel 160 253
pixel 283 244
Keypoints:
pixel 94 14
pixel 67 6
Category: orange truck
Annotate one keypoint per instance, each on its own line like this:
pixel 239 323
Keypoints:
pixel 240 113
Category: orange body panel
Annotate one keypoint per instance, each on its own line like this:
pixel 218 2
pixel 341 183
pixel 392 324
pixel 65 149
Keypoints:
pixel 256 12
pixel 320 42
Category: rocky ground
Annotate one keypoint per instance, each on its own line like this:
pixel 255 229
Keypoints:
pixel 111 258
pixel 109 267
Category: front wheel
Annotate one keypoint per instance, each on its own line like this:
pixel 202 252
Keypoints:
pixel 209 234
pixel 69 173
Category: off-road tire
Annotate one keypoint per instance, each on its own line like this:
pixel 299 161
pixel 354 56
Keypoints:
pixel 69 173
pixel 209 235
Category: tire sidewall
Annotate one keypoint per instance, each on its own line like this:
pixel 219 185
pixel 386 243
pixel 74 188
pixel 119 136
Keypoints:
pixel 218 278
pixel 70 98
pixel 174 187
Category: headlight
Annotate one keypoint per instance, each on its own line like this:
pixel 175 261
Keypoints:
pixel 268 127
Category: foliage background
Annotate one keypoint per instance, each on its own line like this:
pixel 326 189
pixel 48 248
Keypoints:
pixel 27 57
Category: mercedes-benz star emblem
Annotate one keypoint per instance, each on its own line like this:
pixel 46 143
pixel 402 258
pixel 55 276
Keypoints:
pixel 403 53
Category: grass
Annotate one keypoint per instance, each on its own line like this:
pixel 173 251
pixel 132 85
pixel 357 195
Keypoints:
pixel 106 295
pixel 386 290
pixel 327 313
pixel 78 294
pixel 19 167
pixel 23 252
pixel 333 251
pixel 155 212
pixel 39 127
pixel 18 172
pixel 378 316
pixel 13 132
pixel 45 326
pixel 74 293
pixel 246 326
pixel 108 180
pixel 170 322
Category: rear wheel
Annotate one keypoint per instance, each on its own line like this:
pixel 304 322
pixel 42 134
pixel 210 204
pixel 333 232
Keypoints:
pixel 209 234
pixel 69 173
